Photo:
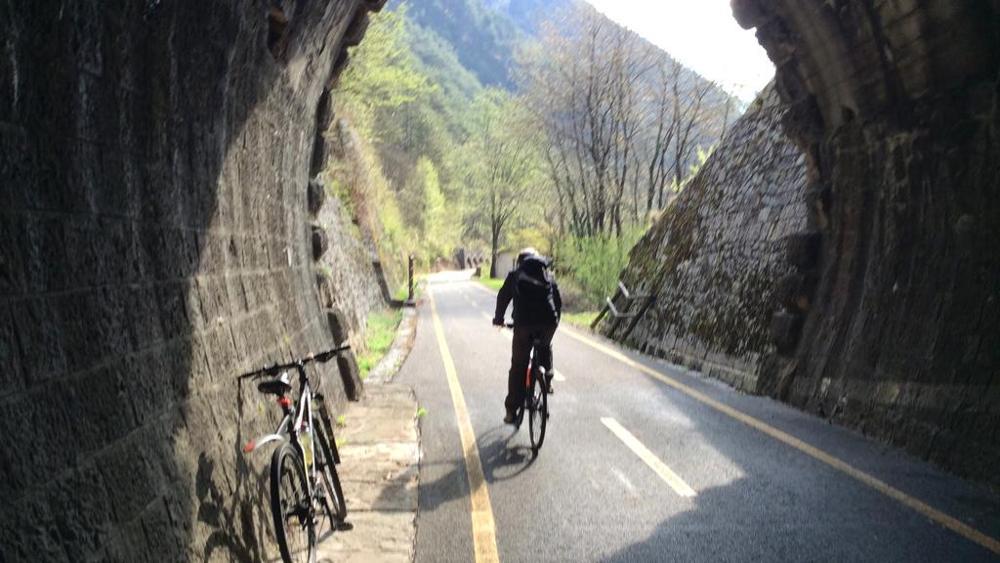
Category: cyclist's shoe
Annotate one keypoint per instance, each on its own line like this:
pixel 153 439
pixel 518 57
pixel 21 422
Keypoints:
pixel 510 417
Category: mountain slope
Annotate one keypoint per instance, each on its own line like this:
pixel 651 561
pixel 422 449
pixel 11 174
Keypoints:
pixel 529 14
pixel 484 35
pixel 484 39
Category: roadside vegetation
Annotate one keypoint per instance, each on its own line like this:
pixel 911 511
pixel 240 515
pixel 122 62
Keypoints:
pixel 580 320
pixel 403 291
pixel 379 334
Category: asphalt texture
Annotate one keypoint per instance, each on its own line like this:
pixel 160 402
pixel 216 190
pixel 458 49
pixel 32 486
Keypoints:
pixel 588 497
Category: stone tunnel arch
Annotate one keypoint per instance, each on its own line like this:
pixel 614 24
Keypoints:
pixel 895 106
pixel 155 160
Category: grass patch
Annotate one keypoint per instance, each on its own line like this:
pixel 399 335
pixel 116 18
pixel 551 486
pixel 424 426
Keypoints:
pixel 379 334
pixel 421 412
pixel 582 319
pixel 403 293
pixel 492 283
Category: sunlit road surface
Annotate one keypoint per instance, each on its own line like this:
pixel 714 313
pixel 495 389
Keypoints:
pixel 644 461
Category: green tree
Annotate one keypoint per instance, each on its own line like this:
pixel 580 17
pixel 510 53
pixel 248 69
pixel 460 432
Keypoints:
pixel 502 173
pixel 427 212
pixel 383 74
pixel 440 225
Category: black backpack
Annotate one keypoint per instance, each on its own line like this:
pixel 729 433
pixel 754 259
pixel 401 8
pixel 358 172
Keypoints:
pixel 535 297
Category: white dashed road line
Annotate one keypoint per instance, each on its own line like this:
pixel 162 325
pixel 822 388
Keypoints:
pixel 661 469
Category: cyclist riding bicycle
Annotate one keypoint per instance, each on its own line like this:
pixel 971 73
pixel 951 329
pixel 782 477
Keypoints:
pixel 537 309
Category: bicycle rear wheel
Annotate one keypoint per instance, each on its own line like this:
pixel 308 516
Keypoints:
pixel 538 411
pixel 334 503
pixel 291 507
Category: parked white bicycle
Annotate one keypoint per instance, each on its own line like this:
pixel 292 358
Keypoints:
pixel 304 480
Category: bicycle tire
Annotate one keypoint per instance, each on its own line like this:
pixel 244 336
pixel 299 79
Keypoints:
pixel 336 507
pixel 286 462
pixel 538 412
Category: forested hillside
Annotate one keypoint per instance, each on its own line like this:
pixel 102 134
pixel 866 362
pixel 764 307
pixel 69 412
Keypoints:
pixel 492 124
pixel 483 38
pixel 528 15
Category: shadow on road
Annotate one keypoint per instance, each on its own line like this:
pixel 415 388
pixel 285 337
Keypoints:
pixel 501 459
pixel 810 514
pixel 448 486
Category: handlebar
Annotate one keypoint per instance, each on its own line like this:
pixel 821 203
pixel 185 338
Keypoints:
pixel 322 357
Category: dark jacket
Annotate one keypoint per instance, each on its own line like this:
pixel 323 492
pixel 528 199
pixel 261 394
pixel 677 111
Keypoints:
pixel 535 294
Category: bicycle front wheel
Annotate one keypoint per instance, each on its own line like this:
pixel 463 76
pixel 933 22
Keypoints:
pixel 538 412
pixel 333 496
pixel 291 507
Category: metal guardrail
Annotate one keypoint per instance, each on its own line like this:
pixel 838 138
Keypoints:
pixel 629 312
pixel 623 289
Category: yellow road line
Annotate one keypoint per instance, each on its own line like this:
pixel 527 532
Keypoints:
pixel 941 518
pixel 661 469
pixel 483 527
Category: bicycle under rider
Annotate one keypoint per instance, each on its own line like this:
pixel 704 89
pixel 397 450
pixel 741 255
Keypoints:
pixel 537 309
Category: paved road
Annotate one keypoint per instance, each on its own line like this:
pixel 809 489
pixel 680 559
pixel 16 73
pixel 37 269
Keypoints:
pixel 628 434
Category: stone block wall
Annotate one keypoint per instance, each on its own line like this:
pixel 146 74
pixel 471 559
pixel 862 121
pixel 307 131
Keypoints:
pixel 715 259
pixel 895 105
pixel 347 277
pixel 154 244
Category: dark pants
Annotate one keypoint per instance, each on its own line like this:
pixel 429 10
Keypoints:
pixel 524 337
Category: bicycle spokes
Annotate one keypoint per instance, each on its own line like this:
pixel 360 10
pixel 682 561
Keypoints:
pixel 292 505
pixel 538 412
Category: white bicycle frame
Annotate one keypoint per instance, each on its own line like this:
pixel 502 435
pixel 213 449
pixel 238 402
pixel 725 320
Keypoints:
pixel 290 431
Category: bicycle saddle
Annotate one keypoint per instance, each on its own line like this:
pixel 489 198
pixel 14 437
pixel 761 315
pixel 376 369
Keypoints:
pixel 278 386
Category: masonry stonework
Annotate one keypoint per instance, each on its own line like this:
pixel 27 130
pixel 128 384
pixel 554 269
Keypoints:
pixel 155 159
pixel 351 277
pixel 714 259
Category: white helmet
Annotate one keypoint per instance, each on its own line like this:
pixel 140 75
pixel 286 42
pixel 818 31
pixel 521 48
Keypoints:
pixel 525 253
